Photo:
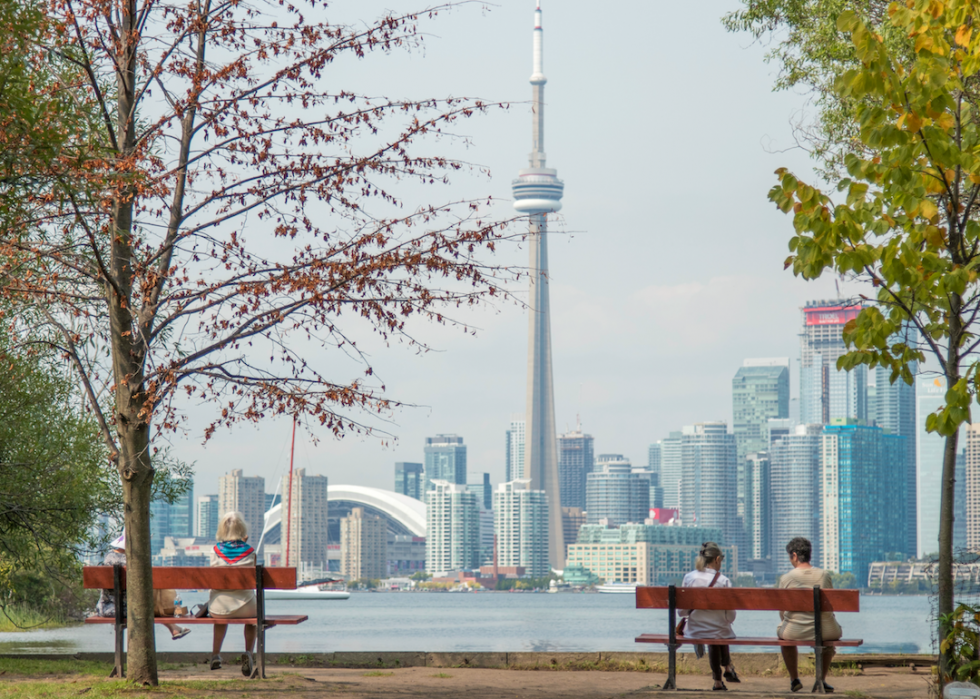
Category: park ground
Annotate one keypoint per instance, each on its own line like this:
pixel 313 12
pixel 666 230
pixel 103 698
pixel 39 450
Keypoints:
pixel 305 677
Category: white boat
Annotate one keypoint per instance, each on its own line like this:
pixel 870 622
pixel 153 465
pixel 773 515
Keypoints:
pixel 617 588
pixel 554 586
pixel 326 590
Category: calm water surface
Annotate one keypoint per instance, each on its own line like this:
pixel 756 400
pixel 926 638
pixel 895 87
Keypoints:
pixel 437 622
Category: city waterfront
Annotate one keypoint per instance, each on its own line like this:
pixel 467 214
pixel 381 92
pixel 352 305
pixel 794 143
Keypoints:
pixel 475 622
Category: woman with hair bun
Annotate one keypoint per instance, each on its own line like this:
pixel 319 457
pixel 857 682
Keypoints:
pixel 709 623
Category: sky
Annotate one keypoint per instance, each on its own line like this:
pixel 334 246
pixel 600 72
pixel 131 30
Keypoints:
pixel 666 261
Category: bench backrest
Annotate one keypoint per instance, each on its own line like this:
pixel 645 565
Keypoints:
pixel 748 598
pixel 190 578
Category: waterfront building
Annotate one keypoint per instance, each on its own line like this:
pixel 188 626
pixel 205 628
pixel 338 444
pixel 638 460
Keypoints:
pixel 486 519
pixel 572 519
pixel 363 546
pixel 537 192
pixel 894 412
pixel 645 554
pixel 575 463
pixel 409 479
pixel 191 552
pixel 971 487
pixel 309 522
pixel 514 464
pixel 406 554
pixel 483 491
pixel 206 521
pixel 245 494
pixel 930 395
pixel 794 465
pixel 862 497
pixel 708 479
pixel 445 459
pixel 172 519
pixel 615 493
pixel 452 528
pixel 670 470
pixel 520 523
pixel 825 393
pixel 959 501
pixel 757 521
pixel 653 466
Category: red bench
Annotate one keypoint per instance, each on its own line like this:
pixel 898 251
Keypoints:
pixel 258 578
pixel 748 599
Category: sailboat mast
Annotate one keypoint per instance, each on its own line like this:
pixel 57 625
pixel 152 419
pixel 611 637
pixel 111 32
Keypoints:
pixel 289 499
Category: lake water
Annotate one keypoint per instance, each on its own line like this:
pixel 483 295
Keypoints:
pixel 435 622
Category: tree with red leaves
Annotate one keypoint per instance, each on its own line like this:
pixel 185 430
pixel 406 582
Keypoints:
pixel 228 206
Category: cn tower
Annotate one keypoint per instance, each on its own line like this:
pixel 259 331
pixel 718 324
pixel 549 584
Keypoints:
pixel 537 192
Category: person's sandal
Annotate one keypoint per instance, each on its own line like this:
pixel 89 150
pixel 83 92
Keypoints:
pixel 795 685
pixel 215 662
pixel 731 676
pixel 827 688
pixel 247 664
pixel 180 634
pixel 722 688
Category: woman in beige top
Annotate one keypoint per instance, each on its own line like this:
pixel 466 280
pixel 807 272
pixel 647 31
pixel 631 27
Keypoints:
pixel 798 626
pixel 233 549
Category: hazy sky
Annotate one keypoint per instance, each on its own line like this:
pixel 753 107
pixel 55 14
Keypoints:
pixel 667 270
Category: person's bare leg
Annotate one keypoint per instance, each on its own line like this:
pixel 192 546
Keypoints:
pixel 790 658
pixel 219 637
pixel 828 657
pixel 251 631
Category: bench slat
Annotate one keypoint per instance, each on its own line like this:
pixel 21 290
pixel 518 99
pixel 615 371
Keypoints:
pixel 185 621
pixel 749 599
pixel 742 641
pixel 191 578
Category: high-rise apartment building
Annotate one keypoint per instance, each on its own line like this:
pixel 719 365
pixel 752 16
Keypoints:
pixel 794 467
pixel 572 519
pixel 483 492
pixel 825 393
pixel 930 394
pixel 514 465
pixel 757 520
pixel 452 528
pixel 308 523
pixel 409 479
pixel 245 494
pixel 615 494
pixel 172 519
pixel 670 470
pixel 653 466
pixel 575 463
pixel 445 459
pixel 206 520
pixel 862 497
pixel 972 486
pixel 709 479
pixel 894 412
pixel 520 523
pixel 363 546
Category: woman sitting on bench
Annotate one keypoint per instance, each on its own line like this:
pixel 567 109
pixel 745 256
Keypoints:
pixel 232 549
pixel 705 623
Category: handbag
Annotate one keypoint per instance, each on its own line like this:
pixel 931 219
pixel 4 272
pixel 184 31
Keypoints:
pixel 682 624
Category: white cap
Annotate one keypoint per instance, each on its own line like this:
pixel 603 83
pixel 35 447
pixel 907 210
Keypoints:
pixel 120 542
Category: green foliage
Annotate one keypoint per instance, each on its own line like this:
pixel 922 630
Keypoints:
pixel 420 576
pixel 962 643
pixel 364 584
pixel 541 583
pixel 744 580
pixel 843 581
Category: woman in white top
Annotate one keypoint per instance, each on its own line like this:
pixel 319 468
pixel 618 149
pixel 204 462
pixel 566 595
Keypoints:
pixel 709 623
pixel 233 549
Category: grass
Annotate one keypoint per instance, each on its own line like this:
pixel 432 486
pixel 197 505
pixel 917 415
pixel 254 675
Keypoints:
pixel 17 618
pixel 442 675
pixel 40 667
pixel 378 673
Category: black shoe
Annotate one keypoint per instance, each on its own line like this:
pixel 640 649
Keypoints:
pixel 827 688
pixel 731 676
pixel 215 662
pixel 795 686
pixel 722 688
pixel 247 664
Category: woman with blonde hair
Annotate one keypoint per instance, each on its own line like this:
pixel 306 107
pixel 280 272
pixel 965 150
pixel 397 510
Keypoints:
pixel 232 549
pixel 709 623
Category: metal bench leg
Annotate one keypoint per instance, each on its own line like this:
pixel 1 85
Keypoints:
pixel 818 640
pixel 671 682
pixel 259 670
pixel 120 625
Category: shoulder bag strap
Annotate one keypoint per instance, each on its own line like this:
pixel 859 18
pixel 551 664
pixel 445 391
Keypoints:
pixel 715 579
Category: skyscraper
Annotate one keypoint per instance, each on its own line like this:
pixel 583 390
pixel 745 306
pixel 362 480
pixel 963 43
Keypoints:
pixel 445 459
pixel 930 394
pixel 616 494
pixel 670 470
pixel 537 192
pixel 760 392
pixel 363 546
pixel 206 522
pixel 245 494
pixel 825 393
pixel 172 519
pixel 709 478
pixel 653 466
pixel 757 520
pixel 575 462
pixel 483 491
pixel 514 466
pixel 452 528
pixel 862 498
pixel 794 465
pixel 308 525
pixel 409 479
pixel 894 411
pixel 520 523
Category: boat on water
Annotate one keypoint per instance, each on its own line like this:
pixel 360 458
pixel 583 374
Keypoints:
pixel 617 588
pixel 554 586
pixel 326 589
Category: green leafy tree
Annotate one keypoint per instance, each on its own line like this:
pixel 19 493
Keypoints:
pixel 906 217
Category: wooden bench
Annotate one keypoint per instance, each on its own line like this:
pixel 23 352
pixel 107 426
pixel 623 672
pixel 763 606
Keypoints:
pixel 258 578
pixel 750 599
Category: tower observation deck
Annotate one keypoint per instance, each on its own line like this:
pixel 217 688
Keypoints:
pixel 537 192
